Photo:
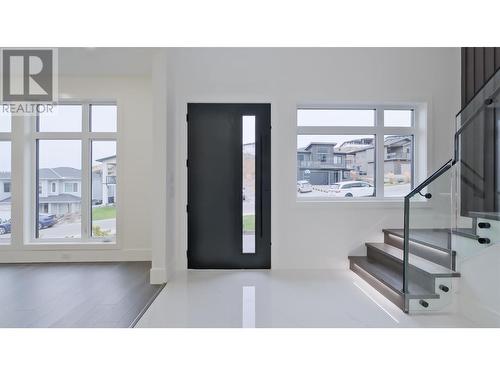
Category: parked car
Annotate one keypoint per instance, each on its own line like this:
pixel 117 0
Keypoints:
pixel 352 189
pixel 5 227
pixel 46 221
pixel 304 186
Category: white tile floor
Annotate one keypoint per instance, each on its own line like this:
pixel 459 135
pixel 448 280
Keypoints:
pixel 276 298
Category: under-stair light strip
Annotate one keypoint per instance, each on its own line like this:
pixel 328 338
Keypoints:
pixel 375 302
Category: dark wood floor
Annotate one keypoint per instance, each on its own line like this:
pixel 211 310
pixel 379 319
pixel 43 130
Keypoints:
pixel 74 294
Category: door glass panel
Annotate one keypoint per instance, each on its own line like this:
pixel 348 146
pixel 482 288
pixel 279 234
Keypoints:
pixel 248 183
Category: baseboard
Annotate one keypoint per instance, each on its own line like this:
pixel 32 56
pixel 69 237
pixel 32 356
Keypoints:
pixel 62 256
pixel 158 276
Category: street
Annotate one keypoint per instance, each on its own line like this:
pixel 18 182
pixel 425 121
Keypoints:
pixel 389 191
pixel 72 230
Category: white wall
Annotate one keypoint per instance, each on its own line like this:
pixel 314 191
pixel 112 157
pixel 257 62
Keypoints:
pixel 311 235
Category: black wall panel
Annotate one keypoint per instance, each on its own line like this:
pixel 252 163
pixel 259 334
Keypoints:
pixel 478 65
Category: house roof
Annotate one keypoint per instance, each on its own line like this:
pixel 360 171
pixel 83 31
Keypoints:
pixel 397 139
pixel 59 173
pixel 61 198
pixel 106 158
pixel 321 144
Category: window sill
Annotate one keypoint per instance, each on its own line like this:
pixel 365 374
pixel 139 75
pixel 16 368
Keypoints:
pixel 48 246
pixel 364 203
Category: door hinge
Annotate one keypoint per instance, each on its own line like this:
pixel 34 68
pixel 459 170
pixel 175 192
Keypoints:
pixel 187 117
pixel 187 163
pixel 187 207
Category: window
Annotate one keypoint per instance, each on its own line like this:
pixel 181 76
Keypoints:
pixel 66 118
pixel 5 123
pixel 71 187
pixel 59 160
pixel 103 189
pixel 336 117
pixel 5 193
pixel 356 153
pixel 103 118
pixel 76 173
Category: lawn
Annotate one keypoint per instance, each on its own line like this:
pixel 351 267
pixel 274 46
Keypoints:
pixel 103 213
pixel 249 223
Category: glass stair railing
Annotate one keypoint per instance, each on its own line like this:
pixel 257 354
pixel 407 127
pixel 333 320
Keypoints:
pixel 453 218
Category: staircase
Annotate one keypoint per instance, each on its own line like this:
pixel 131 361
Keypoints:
pixel 432 263
pixel 430 278
pixel 451 225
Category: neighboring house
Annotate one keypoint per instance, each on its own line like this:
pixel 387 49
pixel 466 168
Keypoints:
pixel 359 155
pixel 5 187
pixel 249 148
pixel 325 163
pixel 104 181
pixel 60 188
pixel 397 155
pixel 321 165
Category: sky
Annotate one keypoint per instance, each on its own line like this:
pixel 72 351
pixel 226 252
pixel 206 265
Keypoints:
pixel 305 140
pixel 351 117
pixel 5 156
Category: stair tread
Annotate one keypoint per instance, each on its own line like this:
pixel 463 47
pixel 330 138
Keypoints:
pixel 485 215
pixel 414 260
pixel 391 277
pixel 436 239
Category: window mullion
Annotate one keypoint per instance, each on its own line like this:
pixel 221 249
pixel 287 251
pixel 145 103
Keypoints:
pixel 86 173
pixel 379 153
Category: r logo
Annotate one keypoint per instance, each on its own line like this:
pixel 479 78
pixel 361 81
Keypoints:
pixel 27 75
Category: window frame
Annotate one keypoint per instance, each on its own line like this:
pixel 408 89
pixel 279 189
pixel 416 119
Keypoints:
pixel 379 131
pixel 86 136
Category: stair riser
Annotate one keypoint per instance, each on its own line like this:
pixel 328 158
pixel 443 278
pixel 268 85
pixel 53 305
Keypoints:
pixel 445 299
pixel 417 276
pixel 391 295
pixel 435 256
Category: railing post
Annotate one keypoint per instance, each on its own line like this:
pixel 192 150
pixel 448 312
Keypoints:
pixel 406 247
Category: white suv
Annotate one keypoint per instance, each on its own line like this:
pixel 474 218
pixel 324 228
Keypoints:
pixel 351 189
pixel 304 186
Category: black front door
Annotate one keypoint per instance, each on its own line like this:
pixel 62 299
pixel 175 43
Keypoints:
pixel 229 186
